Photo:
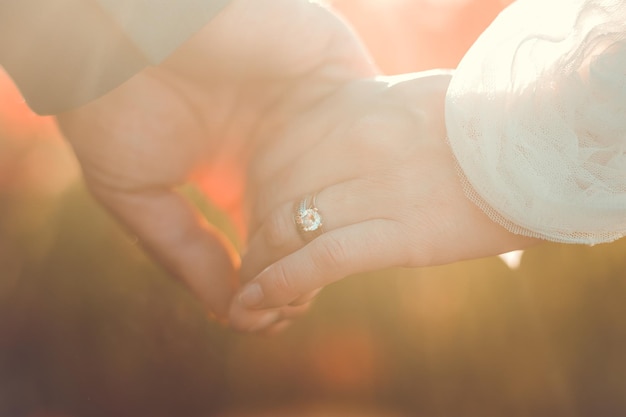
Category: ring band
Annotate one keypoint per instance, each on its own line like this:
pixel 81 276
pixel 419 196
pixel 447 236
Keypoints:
pixel 308 219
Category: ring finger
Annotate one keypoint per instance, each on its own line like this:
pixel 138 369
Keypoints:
pixel 339 205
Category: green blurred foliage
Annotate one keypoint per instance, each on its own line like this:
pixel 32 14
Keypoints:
pixel 91 327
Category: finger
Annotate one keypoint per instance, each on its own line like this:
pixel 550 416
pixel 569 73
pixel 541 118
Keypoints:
pixel 355 149
pixel 306 299
pixel 350 113
pixel 372 245
pixel 320 167
pixel 297 139
pixel 317 149
pixel 180 239
pixel 251 320
pixel 270 322
pixel 277 328
pixel 339 205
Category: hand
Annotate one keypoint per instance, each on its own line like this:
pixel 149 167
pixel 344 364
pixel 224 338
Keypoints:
pixel 386 186
pixel 224 93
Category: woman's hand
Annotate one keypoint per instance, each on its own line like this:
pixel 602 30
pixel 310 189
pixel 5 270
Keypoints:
pixel 386 186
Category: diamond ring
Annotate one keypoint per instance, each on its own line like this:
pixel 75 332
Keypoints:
pixel 308 219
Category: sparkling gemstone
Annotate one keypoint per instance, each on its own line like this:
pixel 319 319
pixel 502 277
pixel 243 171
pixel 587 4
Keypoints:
pixel 310 220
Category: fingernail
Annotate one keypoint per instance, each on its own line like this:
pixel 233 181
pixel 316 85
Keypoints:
pixel 265 321
pixel 251 296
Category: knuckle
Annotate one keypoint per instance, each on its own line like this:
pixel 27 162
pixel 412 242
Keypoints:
pixel 281 283
pixel 372 134
pixel 330 255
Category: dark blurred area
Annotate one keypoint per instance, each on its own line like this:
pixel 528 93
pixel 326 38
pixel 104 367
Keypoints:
pixel 90 327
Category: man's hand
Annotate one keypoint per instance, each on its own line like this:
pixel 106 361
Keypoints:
pixel 223 95
pixel 135 146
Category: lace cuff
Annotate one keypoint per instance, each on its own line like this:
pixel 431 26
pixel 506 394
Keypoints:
pixel 536 118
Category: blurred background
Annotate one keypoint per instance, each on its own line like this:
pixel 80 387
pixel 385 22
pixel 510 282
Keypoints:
pixel 90 327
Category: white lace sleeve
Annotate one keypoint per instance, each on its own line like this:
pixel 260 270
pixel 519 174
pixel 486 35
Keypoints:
pixel 536 117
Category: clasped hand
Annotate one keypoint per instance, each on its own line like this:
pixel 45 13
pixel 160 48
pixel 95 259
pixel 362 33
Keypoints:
pixel 386 186
pixel 278 117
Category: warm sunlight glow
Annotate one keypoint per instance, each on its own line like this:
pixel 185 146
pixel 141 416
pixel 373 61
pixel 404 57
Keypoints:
pixel 92 325
pixel 387 3
pixel 512 259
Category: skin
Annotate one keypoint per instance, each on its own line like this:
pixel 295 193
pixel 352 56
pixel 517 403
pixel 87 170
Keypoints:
pixel 387 186
pixel 272 118
pixel 221 97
